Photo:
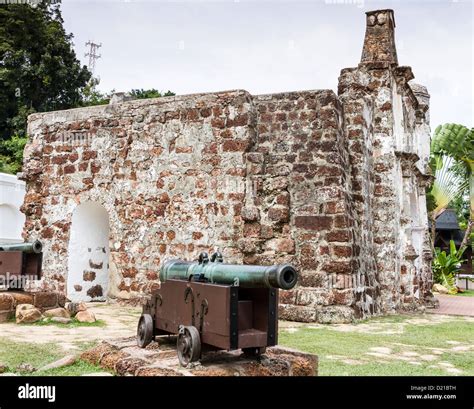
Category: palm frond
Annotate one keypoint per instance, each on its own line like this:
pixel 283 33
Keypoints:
pixel 447 186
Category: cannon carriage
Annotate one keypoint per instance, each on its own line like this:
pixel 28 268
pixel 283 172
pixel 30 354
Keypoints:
pixel 20 261
pixel 212 305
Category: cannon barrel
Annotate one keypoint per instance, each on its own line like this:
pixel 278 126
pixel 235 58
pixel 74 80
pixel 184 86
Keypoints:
pixel 282 276
pixel 34 247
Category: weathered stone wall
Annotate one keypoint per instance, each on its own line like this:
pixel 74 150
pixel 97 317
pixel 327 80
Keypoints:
pixel 303 202
pixel 388 134
pixel 332 184
pixel 170 173
pixel 359 134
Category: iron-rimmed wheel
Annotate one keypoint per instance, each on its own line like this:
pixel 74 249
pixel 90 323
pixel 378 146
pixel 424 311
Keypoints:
pixel 254 352
pixel 145 330
pixel 188 345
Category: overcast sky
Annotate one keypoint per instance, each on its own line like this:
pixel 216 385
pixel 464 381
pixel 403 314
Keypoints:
pixel 265 46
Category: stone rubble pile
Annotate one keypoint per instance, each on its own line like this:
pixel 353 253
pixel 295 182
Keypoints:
pixel 441 289
pixel 28 308
pixel 125 358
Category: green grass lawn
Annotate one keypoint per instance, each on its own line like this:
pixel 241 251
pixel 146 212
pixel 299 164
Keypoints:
pixel 13 354
pixel 396 345
pixel 73 324
pixel 467 293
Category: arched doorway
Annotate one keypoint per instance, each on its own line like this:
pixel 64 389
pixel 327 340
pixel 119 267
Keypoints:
pixel 88 264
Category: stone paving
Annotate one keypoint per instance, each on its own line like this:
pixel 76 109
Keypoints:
pixel 454 305
pixel 121 321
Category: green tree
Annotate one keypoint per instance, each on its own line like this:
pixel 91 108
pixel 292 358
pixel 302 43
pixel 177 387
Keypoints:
pixel 92 96
pixel 457 141
pixel 446 190
pixel 149 93
pixel 10 161
pixel 39 70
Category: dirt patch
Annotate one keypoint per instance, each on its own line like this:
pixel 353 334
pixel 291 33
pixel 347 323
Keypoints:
pixel 120 321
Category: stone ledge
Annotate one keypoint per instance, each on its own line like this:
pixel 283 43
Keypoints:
pixel 159 358
pixel 43 300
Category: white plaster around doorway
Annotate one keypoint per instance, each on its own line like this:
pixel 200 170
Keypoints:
pixel 88 262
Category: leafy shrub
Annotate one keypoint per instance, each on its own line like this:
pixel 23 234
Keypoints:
pixel 446 266
pixel 11 154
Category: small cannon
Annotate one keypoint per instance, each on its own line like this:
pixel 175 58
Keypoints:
pixel 20 261
pixel 212 305
pixel 35 247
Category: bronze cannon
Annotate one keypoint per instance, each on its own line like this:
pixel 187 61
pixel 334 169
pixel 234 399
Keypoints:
pixel 19 262
pixel 212 305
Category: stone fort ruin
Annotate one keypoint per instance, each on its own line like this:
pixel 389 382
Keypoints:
pixel 334 184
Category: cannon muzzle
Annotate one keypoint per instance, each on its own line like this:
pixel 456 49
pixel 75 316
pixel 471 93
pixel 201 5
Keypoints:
pixel 282 276
pixel 34 247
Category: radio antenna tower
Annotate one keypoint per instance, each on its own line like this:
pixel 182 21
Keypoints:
pixel 92 54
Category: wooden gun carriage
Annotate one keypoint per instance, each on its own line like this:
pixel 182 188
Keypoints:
pixel 20 261
pixel 212 305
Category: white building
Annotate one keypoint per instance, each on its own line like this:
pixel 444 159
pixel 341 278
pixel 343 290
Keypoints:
pixel 12 193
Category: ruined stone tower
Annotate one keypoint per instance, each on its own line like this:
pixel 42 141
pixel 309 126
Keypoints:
pixel 334 184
